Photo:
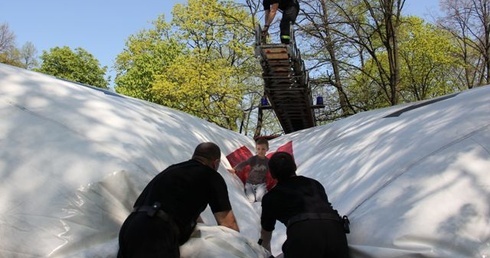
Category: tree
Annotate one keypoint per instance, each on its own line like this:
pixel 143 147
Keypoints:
pixel 378 31
pixel 427 53
pixel 199 64
pixel 147 54
pixel 28 56
pixel 340 36
pixel 9 54
pixel 78 66
pixel 469 22
pixel 220 32
pixel 201 87
pixel 325 51
pixel 7 38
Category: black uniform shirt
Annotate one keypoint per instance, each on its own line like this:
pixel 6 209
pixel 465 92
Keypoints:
pixel 184 190
pixel 293 196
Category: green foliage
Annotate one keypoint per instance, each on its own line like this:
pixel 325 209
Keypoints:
pixel 218 34
pixel 147 54
pixel 201 87
pixel 78 66
pixel 199 66
pixel 426 55
pixel 217 27
pixel 364 89
pixel 9 54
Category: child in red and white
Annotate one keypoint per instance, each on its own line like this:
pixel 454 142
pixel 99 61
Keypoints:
pixel 256 184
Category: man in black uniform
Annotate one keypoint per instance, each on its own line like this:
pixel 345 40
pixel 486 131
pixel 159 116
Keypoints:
pixel 290 10
pixel 314 228
pixel 166 212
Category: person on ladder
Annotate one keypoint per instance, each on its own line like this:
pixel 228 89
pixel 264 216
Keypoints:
pixel 290 10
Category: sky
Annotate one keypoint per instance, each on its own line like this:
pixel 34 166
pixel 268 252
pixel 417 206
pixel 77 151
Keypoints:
pixel 102 27
pixel 413 179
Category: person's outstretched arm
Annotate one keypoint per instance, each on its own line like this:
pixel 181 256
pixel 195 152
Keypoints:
pixel 266 239
pixel 240 166
pixel 227 219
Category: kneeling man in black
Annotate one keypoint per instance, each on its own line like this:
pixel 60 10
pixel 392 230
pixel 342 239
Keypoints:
pixel 169 207
pixel 314 228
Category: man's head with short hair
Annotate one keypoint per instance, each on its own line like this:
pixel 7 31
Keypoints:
pixel 282 166
pixel 208 153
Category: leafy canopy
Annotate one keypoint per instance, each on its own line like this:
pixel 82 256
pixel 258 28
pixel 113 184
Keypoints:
pixel 78 66
pixel 197 64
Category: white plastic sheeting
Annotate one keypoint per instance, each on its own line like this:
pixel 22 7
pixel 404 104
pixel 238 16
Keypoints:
pixel 414 179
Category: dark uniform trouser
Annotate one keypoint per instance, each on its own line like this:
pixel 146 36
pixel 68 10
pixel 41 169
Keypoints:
pixel 316 239
pixel 148 237
pixel 288 18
